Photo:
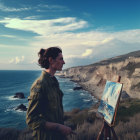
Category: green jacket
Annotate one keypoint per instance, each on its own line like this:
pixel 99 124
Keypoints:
pixel 45 104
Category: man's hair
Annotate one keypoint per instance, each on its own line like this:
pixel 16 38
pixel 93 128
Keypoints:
pixel 45 54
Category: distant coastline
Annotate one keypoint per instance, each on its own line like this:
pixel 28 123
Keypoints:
pixel 83 85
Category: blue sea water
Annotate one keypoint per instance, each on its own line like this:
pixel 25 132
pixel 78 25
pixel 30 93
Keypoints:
pixel 13 81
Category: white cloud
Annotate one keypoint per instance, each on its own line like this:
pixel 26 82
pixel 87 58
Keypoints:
pixel 84 55
pixel 12 9
pixel 22 58
pixel 45 27
pixel 87 14
pixel 16 60
pixel 107 40
pixel 87 53
pixel 32 17
pixel 14 37
pixel 10 36
pixel 58 32
pixel 54 7
pixel 87 39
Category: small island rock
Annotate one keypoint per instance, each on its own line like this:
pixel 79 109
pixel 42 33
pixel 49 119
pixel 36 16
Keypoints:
pixel 77 88
pixel 19 95
pixel 21 107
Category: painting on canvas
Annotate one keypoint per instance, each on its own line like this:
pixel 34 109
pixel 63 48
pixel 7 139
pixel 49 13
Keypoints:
pixel 109 100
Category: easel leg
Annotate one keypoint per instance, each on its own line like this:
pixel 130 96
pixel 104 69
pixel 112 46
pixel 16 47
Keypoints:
pixel 114 134
pixel 107 132
pixel 101 132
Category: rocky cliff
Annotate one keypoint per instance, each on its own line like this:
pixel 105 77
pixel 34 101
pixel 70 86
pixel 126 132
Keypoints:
pixel 93 77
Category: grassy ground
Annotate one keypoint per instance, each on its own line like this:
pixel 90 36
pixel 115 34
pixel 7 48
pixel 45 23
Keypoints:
pixel 87 125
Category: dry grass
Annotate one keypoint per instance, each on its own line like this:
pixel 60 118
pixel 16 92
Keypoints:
pixel 87 131
pixel 14 134
pixel 124 131
pixel 129 130
pixel 87 125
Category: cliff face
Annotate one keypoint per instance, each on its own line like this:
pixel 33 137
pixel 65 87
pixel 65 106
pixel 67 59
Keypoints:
pixel 93 77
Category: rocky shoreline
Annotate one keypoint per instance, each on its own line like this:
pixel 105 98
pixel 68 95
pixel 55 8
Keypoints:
pixel 84 86
pixel 93 77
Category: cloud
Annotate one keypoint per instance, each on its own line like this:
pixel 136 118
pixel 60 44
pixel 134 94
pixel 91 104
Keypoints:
pixel 87 53
pixel 59 32
pixel 14 37
pixel 54 8
pixel 12 9
pixel 16 60
pixel 83 40
pixel 11 61
pixel 45 27
pixel 10 36
pixel 87 14
pixel 107 40
pixel 32 17
pixel 84 55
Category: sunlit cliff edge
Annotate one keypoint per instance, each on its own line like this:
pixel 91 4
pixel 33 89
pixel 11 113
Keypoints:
pixel 93 77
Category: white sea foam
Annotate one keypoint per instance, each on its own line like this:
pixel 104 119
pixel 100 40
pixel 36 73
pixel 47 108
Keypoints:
pixel 7 110
pixel 70 89
pixel 94 99
pixel 17 123
pixel 19 111
pixel 82 94
pixel 11 98
pixel 86 100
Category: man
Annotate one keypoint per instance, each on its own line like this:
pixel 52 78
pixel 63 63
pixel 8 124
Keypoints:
pixel 45 109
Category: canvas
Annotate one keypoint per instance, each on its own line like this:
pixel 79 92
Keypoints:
pixel 109 100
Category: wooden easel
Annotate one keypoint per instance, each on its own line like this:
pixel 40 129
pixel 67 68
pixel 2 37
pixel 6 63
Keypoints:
pixel 109 127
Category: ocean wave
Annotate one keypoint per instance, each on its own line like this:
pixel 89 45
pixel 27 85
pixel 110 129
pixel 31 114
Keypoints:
pixel 94 99
pixel 7 110
pixel 17 123
pixel 86 100
pixel 82 94
pixel 19 111
pixel 11 97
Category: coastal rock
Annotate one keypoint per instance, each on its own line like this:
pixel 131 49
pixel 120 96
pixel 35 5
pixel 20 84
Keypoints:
pixel 19 95
pixel 124 95
pixel 77 88
pixel 93 77
pixel 21 107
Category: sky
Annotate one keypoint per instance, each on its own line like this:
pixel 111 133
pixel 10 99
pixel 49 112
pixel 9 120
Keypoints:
pixel 87 31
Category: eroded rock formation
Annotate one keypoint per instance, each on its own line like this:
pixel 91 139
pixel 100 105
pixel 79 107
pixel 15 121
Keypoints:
pixel 93 77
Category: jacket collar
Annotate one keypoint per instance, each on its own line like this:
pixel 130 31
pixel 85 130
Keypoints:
pixel 48 77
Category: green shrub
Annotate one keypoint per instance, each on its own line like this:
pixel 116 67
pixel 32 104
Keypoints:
pixel 127 109
pixel 74 111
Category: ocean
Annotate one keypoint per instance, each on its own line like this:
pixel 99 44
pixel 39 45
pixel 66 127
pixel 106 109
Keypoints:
pixel 13 81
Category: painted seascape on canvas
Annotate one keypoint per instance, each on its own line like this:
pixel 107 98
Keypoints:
pixel 109 100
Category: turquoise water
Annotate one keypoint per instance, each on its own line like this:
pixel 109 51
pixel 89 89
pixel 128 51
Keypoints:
pixel 21 81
